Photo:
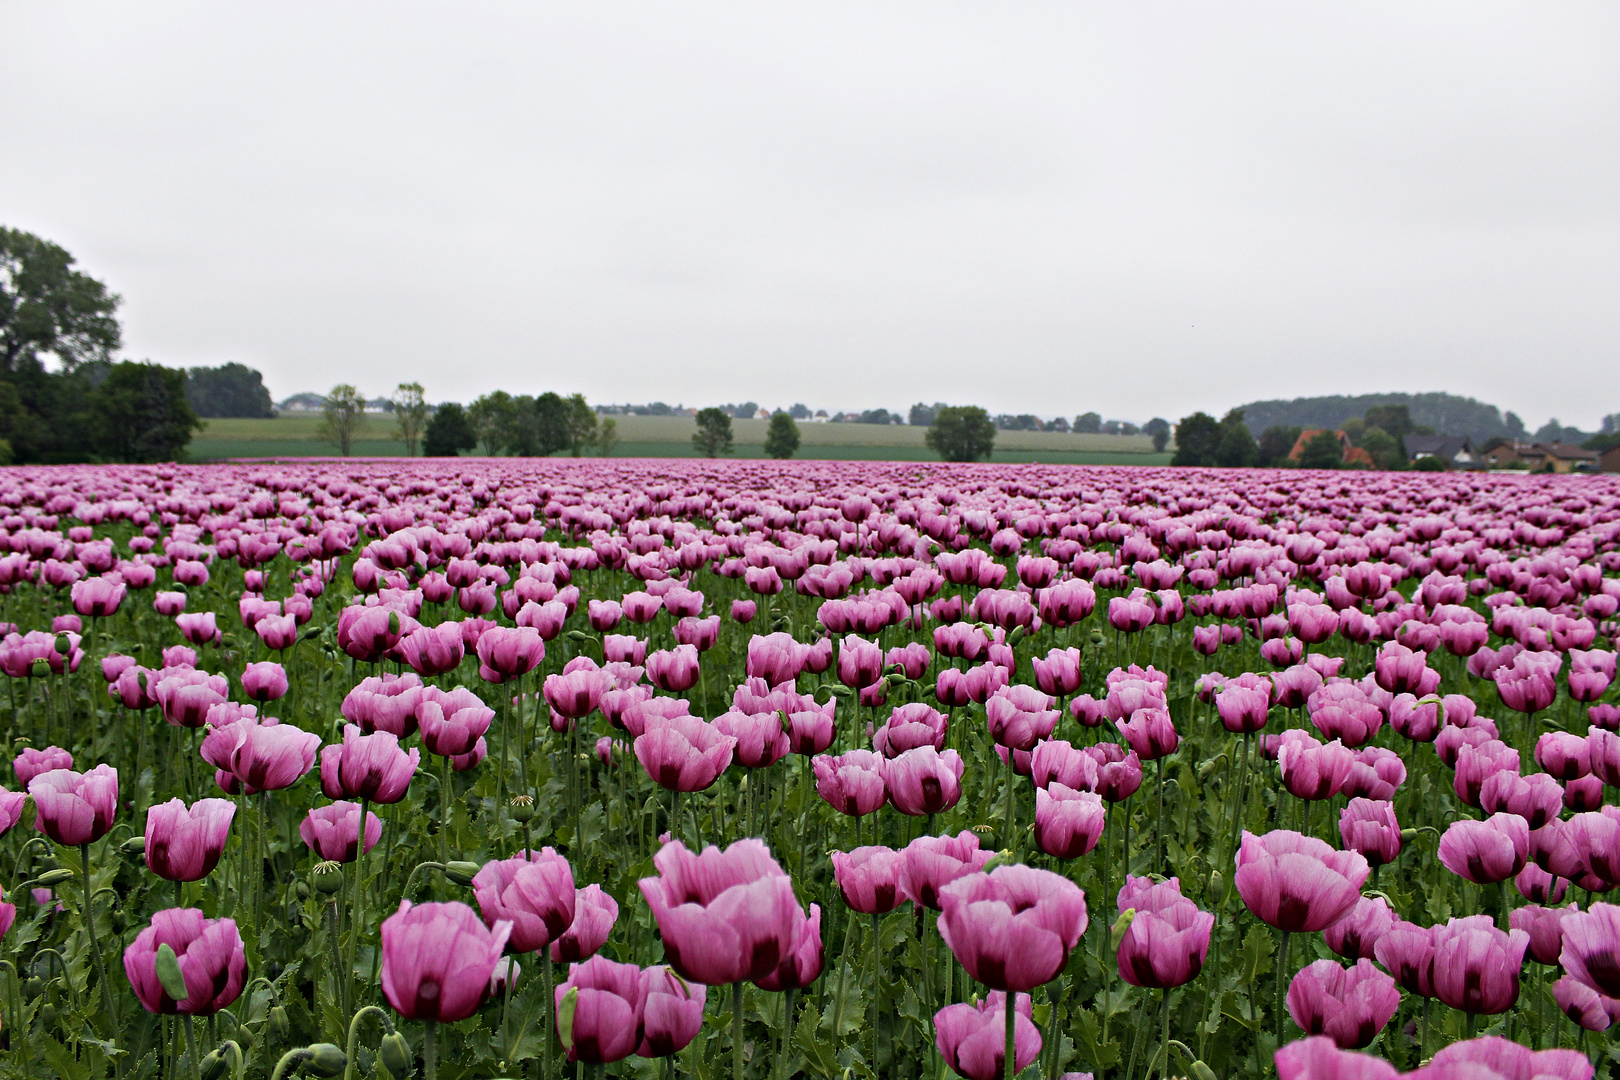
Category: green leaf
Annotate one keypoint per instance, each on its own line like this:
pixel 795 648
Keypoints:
pixel 1258 947
pixel 1101 1054
pixel 62 1063
pixel 817 1052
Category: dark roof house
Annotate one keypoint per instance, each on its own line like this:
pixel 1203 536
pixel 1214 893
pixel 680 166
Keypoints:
pixel 1455 450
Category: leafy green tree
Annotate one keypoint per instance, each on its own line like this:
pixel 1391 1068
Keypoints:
pixel 1088 423
pixel 342 417
pixel 782 437
pixel 228 390
pixel 961 433
pixel 449 432
pixel 1236 448
pixel 923 415
pixel 800 411
pixel 579 425
pixel 1396 420
pixel 713 435
pixel 140 413
pixel 1276 443
pixel 1159 428
pixel 492 418
pixel 1322 451
pixel 607 437
pixel 1198 437
pixel 48 309
pixel 1383 448
pixel 410 415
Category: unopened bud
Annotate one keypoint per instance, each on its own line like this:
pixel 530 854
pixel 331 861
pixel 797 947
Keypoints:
pixel 50 879
pixel 522 808
pixel 280 1026
pixel 393 623
pixel 213 1066
pixel 135 845
pixel 461 873
pixel 1116 933
pixel 1017 635
pixel 325 1059
pixel 565 1017
pixel 1408 835
pixel 1202 1071
pixel 169 974
pixel 395 1054
pixel 1216 892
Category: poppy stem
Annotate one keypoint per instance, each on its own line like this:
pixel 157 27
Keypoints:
pixel 359 895
pixel 736 1030
pixel 1282 963
pixel 95 944
pixel 430 1056
pixel 1008 840
pixel 550 1008
pixel 1010 1012
pixel 873 950
pixel 191 1046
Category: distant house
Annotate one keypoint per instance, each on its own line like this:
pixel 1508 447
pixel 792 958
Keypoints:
pixel 1455 450
pixel 1350 454
pixel 1609 460
pixel 1507 455
pixel 1566 458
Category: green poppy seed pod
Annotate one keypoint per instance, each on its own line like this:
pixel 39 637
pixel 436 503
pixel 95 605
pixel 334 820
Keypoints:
pixel 565 1017
pixel 50 879
pixel 1096 635
pixel 169 974
pixel 280 1026
pixel 522 808
pixel 395 1053
pixel 213 1066
pixel 1116 933
pixel 39 668
pixel 327 877
pixel 63 645
pixel 326 1059
pixel 135 845
pixel 461 873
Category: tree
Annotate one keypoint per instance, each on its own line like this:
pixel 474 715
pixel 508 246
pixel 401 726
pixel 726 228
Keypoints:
pixel 553 425
pixel 1236 449
pixel 47 308
pixel 1088 423
pixel 713 435
pixel 579 424
pixel 343 415
pixel 140 413
pixel 607 437
pixel 491 417
pixel 1396 420
pixel 923 415
pixel 800 411
pixel 228 390
pixel 1322 451
pixel 961 433
pixel 1197 438
pixel 449 432
pixel 1159 428
pixel 1382 447
pixel 782 437
pixel 1276 443
pixel 410 415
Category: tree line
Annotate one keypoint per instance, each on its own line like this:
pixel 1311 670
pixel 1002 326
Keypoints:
pixel 1201 440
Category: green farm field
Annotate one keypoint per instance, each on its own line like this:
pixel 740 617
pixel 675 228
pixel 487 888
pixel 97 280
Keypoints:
pixel 670 436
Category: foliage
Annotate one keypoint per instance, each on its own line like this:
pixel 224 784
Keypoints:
pixel 1089 423
pixel 449 432
pixel 1198 438
pixel 1445 413
pixel 1159 429
pixel 228 390
pixel 1430 463
pixel 1385 449
pixel 713 435
pixel 878 416
pixel 782 437
pixel 50 310
pixel 607 437
pixel 411 412
pixel 141 413
pixel 1275 444
pixel 961 433
pixel 1322 451
pixel 923 415
pixel 578 422
pixel 342 416
pixel 1236 448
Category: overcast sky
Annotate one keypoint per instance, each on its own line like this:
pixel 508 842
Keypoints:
pixel 1137 208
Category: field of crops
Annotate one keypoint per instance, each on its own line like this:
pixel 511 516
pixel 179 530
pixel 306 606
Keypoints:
pixel 671 436
pixel 549 768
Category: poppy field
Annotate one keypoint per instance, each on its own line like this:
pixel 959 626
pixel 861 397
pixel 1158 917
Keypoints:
pixel 655 769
